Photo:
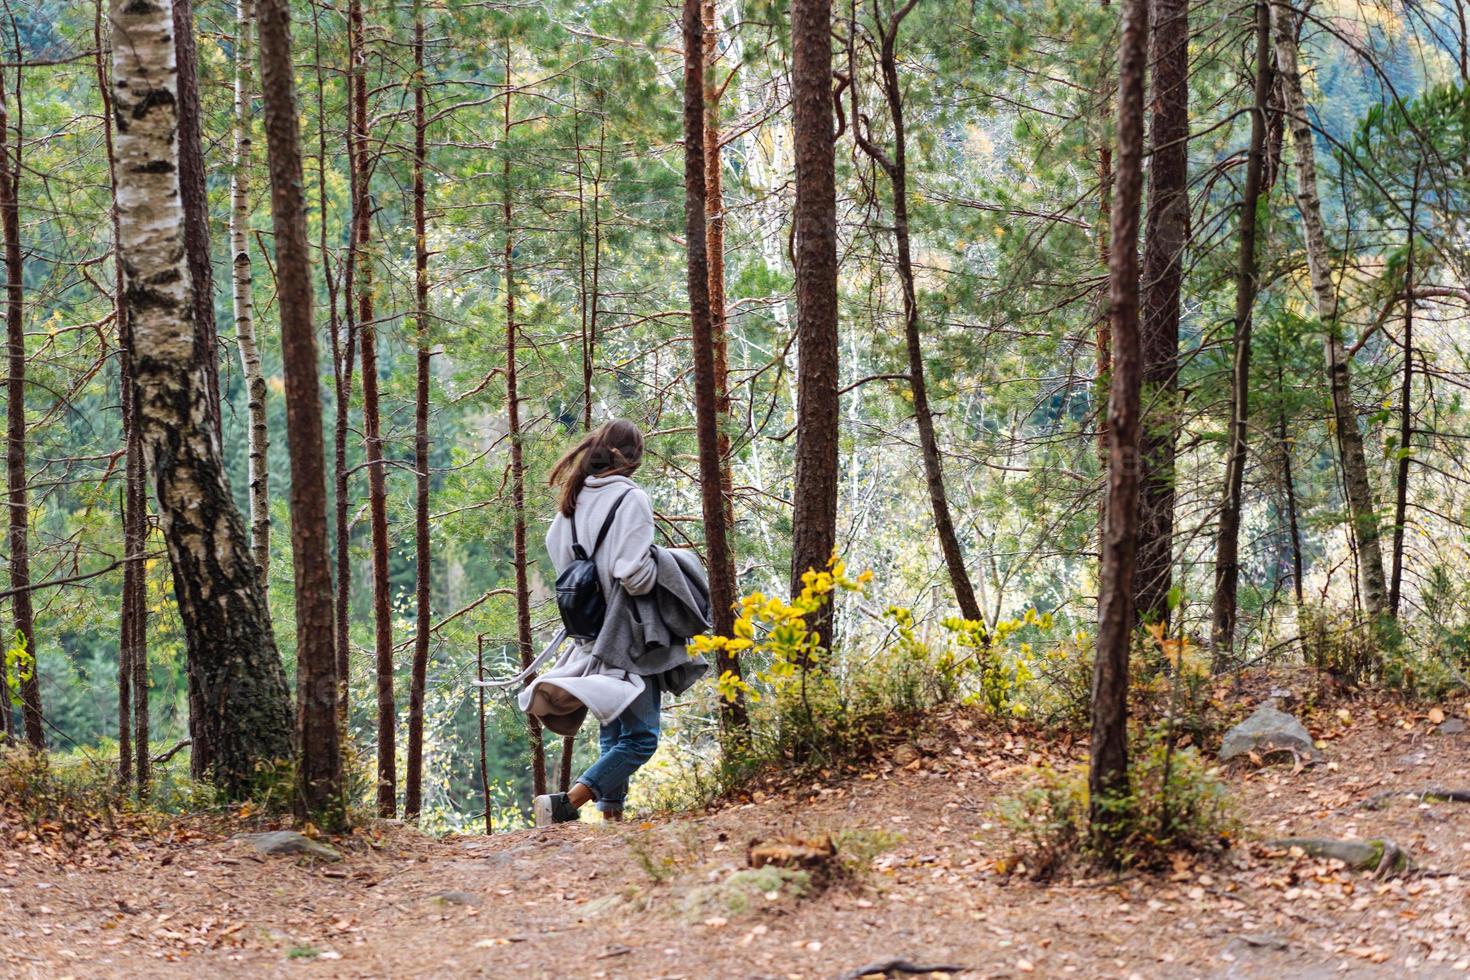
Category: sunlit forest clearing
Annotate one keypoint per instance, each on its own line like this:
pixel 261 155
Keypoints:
pixel 991 472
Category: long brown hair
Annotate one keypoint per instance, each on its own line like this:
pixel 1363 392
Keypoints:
pixel 613 449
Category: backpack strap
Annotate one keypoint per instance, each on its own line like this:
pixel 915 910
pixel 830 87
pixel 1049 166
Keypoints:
pixel 607 522
pixel 580 553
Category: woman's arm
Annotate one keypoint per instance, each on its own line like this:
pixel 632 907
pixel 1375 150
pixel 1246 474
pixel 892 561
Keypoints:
pixel 630 545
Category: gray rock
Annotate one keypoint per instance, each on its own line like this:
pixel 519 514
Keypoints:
pixel 290 842
pixel 458 898
pixel 1382 856
pixel 1452 726
pixel 1262 940
pixel 1268 730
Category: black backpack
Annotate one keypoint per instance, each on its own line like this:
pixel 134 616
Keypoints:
pixel 579 595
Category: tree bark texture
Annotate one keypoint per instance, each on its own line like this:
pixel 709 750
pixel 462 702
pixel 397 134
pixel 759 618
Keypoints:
pixel 814 495
pixel 896 168
pixel 1358 488
pixel 1165 237
pixel 195 196
pixel 718 556
pixel 29 679
pixel 1406 420
pixel 517 458
pixel 319 770
pixel 258 453
pixel 132 657
pixel 1227 543
pixel 1108 773
pixel 387 795
pixel 413 793
pixel 245 705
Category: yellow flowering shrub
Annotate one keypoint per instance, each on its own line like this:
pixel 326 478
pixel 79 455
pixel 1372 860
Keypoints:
pixel 1000 669
pixel 778 629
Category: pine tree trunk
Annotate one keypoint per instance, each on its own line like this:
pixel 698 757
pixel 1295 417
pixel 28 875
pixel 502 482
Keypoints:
pixel 344 344
pixel 319 794
pixel 259 445
pixel 1406 419
pixel 1288 486
pixel 413 794
pixel 1104 342
pixel 340 390
pixel 196 205
pixel 718 556
pixel 15 429
pixel 1108 775
pixel 195 201
pixel 1359 489
pixel 387 795
pixel 896 167
pixel 1227 544
pixel 242 687
pixel 517 459
pixel 1166 235
pixel 814 495
pixel 132 614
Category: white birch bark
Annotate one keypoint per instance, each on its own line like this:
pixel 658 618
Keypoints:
pixel 259 442
pixel 1361 505
pixel 244 703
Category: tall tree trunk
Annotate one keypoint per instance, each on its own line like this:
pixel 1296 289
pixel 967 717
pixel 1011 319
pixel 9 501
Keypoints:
pixel 1288 486
pixel 1165 236
pixel 814 496
pixel 135 566
pixel 319 771
pixel 1108 775
pixel 1406 418
pixel 226 625
pixel 195 201
pixel 132 631
pixel 1104 332
pixel 484 766
pixel 517 458
pixel 718 556
pixel 896 167
pixel 343 355
pixel 1227 543
pixel 422 568
pixel 1354 461
pixel 15 427
pixel 373 442
pixel 259 446
pixel 196 205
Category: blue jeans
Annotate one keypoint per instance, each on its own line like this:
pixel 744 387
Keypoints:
pixel 627 742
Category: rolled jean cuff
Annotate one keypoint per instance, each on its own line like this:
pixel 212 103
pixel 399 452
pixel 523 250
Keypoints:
pixel 604 805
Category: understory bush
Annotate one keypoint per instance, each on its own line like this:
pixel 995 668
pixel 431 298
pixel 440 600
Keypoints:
pixel 813 708
pixel 1428 662
pixel 1176 802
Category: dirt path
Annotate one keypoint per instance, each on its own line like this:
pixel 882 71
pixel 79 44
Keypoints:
pixel 656 899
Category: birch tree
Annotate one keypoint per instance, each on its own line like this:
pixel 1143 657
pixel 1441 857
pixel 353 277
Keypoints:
pixel 247 712
pixel 1359 490
pixel 242 280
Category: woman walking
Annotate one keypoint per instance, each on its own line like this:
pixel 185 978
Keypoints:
pixel 604 517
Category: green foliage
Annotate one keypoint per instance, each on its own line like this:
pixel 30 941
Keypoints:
pixel 1176 803
pixel 20 666
pixel 1334 644
pixel 75 792
pixel 748 890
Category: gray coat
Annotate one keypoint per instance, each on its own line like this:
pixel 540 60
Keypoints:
pixel 647 634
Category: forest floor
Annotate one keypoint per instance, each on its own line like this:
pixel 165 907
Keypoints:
pixel 663 898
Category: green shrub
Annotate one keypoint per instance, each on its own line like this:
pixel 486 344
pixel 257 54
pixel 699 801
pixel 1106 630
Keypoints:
pixel 1176 803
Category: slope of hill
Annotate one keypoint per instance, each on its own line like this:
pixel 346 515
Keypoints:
pixel 672 897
